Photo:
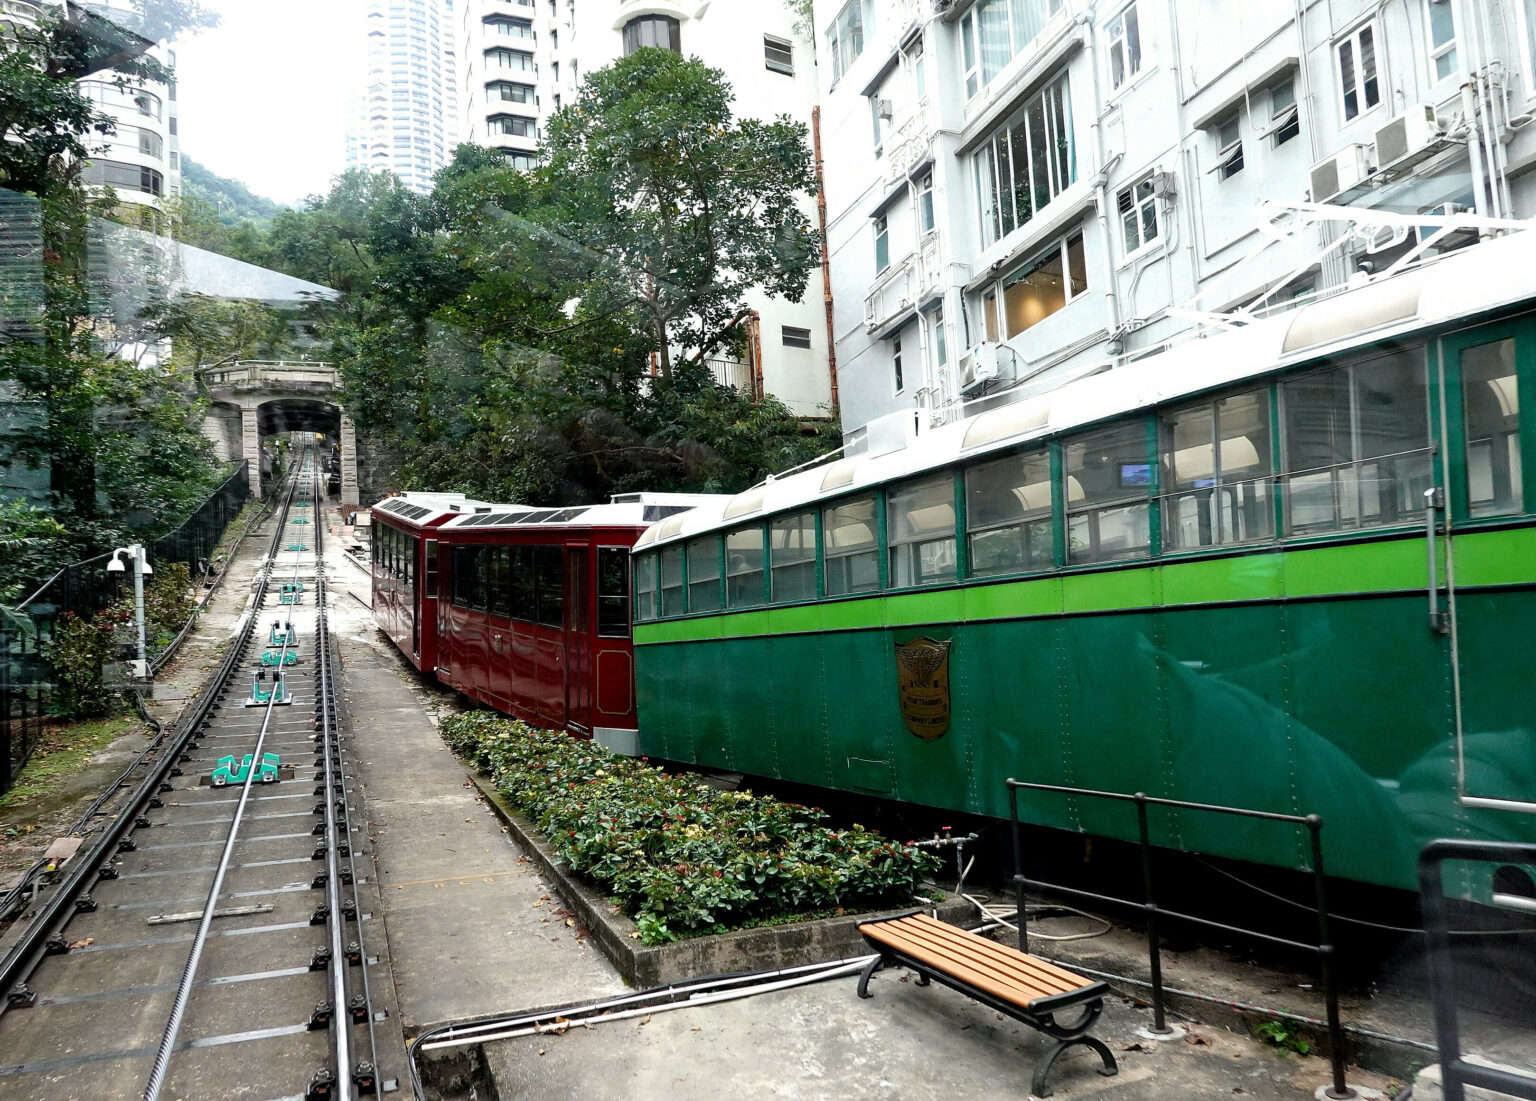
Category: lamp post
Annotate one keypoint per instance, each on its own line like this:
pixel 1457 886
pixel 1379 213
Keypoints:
pixel 141 570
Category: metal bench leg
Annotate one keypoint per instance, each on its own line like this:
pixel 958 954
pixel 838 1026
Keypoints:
pixel 864 976
pixel 1038 1086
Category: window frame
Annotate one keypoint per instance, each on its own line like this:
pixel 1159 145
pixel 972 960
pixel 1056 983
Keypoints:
pixel 713 545
pixel 1144 422
pixel 1353 40
pixel 1450 48
pixel 782 46
pixel 1054 101
pixel 760 599
pixel 1284 123
pixel 1169 492
pixel 881 226
pixel 609 599
pixel 811 517
pixel 1049 514
pixel 1229 155
pixel 995 325
pixel 1128 41
pixel 1139 205
pixel 892 547
pixel 841 30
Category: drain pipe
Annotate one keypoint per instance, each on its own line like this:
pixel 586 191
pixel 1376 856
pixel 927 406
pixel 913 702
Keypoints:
pixel 1474 149
pixel 1115 346
pixel 826 259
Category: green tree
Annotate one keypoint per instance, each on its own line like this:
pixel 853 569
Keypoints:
pixel 680 208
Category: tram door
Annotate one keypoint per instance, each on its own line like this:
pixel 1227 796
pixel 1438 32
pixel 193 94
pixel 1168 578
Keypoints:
pixel 1487 470
pixel 578 638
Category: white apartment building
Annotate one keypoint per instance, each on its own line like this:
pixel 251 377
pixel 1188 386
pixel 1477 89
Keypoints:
pixel 522 59
pixel 141 160
pixel 410 120
pixel 1022 192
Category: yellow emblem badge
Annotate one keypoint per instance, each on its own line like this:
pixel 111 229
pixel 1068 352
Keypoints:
pixel 922 681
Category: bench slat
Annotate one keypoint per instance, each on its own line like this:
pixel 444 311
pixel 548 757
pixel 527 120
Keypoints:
pixel 920 945
pixel 1001 971
pixel 1038 969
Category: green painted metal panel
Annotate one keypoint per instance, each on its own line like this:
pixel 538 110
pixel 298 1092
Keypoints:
pixel 858 713
pixel 1019 598
pixel 794 619
pixel 1356 568
pixel 1498 708
pixel 1496 557
pixel 940 606
pixel 1112 589
pixel 1242 577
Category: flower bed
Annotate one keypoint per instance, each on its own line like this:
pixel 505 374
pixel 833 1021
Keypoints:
pixel 679 856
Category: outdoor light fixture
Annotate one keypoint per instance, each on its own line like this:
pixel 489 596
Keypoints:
pixel 141 569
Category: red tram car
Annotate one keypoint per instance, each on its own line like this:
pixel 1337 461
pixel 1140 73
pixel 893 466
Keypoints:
pixel 526 610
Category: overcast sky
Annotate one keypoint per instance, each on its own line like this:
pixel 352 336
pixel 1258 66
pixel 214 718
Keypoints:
pixel 263 98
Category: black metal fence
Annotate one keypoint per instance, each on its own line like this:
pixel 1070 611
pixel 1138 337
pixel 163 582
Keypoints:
pixel 27 678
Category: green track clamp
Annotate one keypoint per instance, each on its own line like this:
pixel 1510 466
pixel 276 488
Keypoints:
pixel 278 695
pixel 297 547
pixel 283 634
pixel 231 771
pixel 299 520
pixel 291 598
pixel 276 657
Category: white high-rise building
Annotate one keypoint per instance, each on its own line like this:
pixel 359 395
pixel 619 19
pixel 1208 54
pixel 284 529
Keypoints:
pixel 521 60
pixel 1023 192
pixel 411 109
pixel 141 160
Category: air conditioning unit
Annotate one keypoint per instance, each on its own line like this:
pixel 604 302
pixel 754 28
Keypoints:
pixel 1340 172
pixel 979 365
pixel 1445 242
pixel 885 110
pixel 1409 132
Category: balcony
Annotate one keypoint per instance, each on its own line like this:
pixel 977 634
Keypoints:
pixel 909 144
pixel 893 294
pixel 732 373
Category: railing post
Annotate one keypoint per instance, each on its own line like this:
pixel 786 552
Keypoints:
pixel 1340 1088
pixel 1018 867
pixel 1149 907
pixel 7 778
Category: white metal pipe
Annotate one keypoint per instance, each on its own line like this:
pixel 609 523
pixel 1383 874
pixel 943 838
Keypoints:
pixel 1100 181
pixel 1474 148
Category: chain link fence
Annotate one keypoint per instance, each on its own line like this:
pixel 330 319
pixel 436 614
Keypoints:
pixel 28 678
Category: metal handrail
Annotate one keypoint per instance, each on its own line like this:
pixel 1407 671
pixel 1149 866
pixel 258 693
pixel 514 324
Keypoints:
pixel 1323 949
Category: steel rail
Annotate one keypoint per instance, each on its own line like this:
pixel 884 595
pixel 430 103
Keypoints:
pixel 31 946
pixel 200 938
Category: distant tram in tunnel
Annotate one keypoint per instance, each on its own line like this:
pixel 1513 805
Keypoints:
pixel 526 610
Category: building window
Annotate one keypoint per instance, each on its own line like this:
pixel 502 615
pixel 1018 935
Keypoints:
pixel 1229 148
pixel 1124 32
pixel 612 591
pixel 779 55
pixel 920 525
pixel 874 122
pixel 1108 491
pixel 1439 20
pixel 523 162
pixel 508 92
pixel 1359 82
pixel 896 362
pixel 925 221
pixel 994 32
pixel 1138 215
pixel 1284 115
pixel 919 70
pixel 124 177
pixel 174 128
pixel 658 31
pixel 792 558
pixel 882 244
pixel 1008 515
pixel 1217 472
pixel 795 337
pixel 1356 444
pixel 850 548
pixel 845 37
pixel 940 340
pixel 1025 163
pixel 1036 290
pixel 513 125
pixel 504 27
pixel 499 57
pixel 175 162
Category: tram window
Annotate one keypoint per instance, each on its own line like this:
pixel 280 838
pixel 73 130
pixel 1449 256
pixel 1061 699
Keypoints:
pixel 704 575
pixel 1108 491
pixel 920 525
pixel 1491 402
pixel 850 539
pixel 500 582
pixel 792 557
pixel 645 588
pixel 1357 444
pixel 461 579
pixel 744 568
pixel 525 604
pixel 410 559
pixel 672 582
pixel 1216 471
pixel 549 571
pixel 481 565
pixel 1008 515
pixel 613 592
pixel 431 568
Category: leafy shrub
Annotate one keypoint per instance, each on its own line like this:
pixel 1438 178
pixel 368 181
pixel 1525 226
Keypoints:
pixel 679 856
pixel 80 647
pixel 168 604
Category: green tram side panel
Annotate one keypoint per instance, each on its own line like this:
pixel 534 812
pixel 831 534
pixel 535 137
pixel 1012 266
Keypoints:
pixel 1339 706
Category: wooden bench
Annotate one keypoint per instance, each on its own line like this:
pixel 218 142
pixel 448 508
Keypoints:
pixel 1024 987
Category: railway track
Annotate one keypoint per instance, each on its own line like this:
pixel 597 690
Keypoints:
pixel 210 942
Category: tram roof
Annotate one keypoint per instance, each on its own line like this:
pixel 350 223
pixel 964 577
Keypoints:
pixel 422 509
pixel 623 511
pixel 1458 286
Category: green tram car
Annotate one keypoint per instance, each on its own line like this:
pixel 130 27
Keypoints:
pixel 1290 567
